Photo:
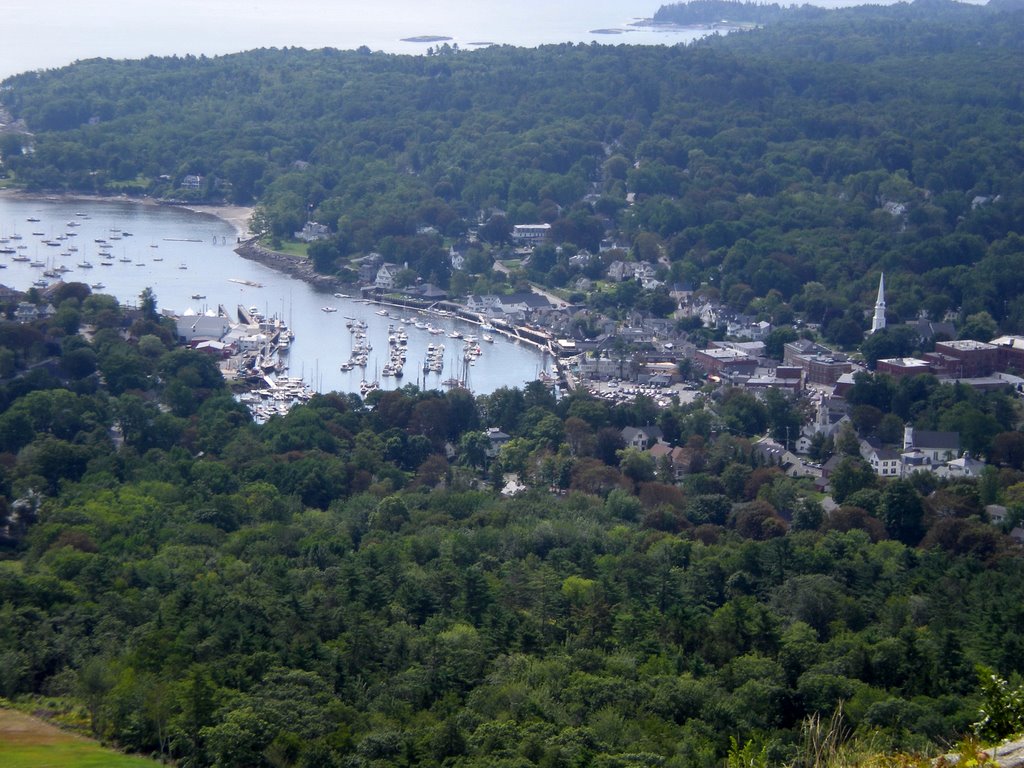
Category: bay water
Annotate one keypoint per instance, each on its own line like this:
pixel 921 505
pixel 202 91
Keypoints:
pixel 188 260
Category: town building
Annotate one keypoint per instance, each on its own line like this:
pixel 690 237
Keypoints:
pixel 718 362
pixel 902 367
pixel 530 234
pixel 193 327
pixel 963 359
pixel 819 363
pixel 1010 353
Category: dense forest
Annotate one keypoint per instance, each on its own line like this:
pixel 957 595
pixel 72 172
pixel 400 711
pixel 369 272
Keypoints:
pixel 774 165
pixel 345 586
pixel 725 12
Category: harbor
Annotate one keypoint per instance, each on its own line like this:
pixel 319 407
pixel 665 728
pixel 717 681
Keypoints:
pixel 188 259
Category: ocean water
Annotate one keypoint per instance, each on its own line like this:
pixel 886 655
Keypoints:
pixel 42 34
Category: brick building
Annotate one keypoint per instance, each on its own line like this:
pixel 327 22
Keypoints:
pixel 964 359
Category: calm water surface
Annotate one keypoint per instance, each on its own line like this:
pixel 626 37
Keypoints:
pixel 181 254
pixel 41 34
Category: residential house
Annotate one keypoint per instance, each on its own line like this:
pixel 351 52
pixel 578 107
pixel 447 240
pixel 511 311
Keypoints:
pixel 619 271
pixel 641 437
pixel 940 447
pixel 497 439
pixel 524 302
pixel 385 278
pixel 26 312
pixel 929 330
pixel 679 458
pixel 681 292
pixel 746 327
pixel 312 231
pixel 915 460
pixel 965 466
pixel 884 461
pixel 827 469
pixel 581 259
pixel 997 513
pixel 708 310
pixel 660 450
pixel 489 304
pixel 368 266
pixel 774 454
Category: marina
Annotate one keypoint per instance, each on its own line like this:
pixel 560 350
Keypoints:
pixel 199 272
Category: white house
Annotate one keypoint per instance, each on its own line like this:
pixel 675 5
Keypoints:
pixel 940 447
pixel 386 275
pixel 641 437
pixel 312 232
pixel 885 462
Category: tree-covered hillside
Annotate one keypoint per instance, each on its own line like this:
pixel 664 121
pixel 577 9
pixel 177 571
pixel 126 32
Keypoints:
pixel 813 152
pixel 344 586
pixel 347 586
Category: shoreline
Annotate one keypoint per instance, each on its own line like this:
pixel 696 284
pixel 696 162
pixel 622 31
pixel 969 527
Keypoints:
pixel 237 216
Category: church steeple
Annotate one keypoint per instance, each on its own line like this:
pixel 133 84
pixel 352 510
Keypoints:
pixel 878 321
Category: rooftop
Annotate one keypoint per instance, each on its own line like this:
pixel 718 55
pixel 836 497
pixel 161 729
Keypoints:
pixel 905 362
pixel 964 345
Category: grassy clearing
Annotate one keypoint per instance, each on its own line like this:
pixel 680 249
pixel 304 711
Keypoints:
pixel 27 742
pixel 289 247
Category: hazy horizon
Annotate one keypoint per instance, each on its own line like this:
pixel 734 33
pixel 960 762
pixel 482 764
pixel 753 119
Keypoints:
pixel 54 33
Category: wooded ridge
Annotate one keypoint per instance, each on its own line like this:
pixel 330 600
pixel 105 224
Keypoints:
pixel 763 163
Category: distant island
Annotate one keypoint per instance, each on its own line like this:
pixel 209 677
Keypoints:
pixel 426 39
pixel 609 31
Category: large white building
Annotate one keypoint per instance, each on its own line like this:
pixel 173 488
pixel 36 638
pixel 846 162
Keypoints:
pixel 530 234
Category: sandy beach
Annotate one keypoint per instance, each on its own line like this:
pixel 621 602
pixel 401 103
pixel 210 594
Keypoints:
pixel 237 216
